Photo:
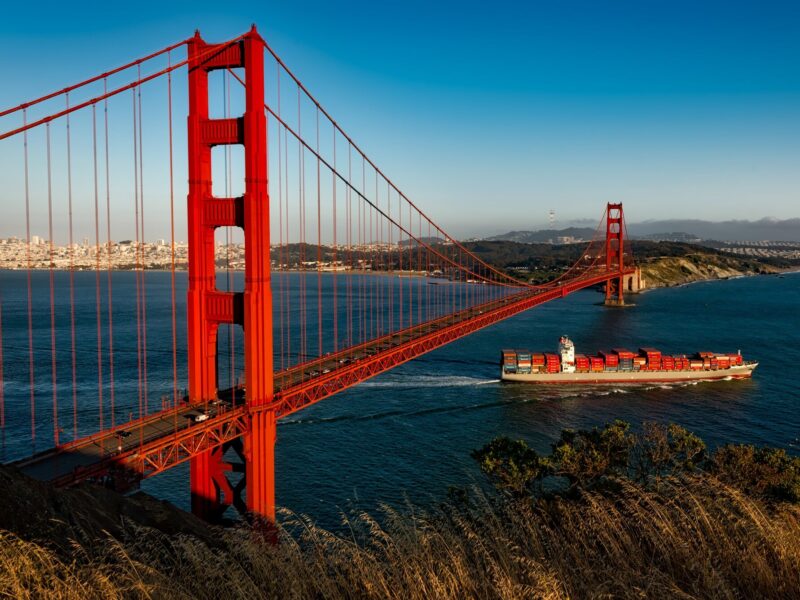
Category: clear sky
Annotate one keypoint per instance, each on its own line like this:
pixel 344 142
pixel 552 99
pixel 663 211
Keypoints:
pixel 489 114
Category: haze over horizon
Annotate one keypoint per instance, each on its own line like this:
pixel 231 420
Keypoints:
pixel 487 118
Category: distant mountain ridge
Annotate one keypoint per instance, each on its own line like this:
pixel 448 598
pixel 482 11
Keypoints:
pixel 543 235
pixel 752 231
pixel 685 230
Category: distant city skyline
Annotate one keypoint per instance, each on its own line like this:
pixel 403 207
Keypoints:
pixel 486 116
pixel 786 230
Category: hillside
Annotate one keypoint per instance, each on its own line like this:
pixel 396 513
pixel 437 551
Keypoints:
pixel 663 263
pixel 36 511
pixel 543 235
pixel 679 270
pixel 684 230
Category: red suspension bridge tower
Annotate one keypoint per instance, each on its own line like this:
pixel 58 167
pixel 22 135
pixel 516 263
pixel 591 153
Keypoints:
pixel 615 261
pixel 209 307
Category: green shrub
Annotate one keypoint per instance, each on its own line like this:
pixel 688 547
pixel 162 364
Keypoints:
pixel 585 457
pixel 510 464
pixel 664 450
pixel 767 472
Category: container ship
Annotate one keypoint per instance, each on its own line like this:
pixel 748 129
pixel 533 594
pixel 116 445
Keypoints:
pixel 620 366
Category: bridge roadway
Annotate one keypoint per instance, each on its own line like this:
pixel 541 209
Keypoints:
pixel 154 443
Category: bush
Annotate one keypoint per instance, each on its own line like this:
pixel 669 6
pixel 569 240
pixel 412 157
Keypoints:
pixel 767 472
pixel 665 450
pixel 611 455
pixel 510 464
pixel 585 457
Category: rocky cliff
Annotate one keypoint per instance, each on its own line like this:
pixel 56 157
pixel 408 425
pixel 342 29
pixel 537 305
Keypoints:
pixel 679 270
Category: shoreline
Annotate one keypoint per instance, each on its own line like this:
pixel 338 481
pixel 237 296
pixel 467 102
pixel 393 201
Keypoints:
pixel 401 274
pixel 740 275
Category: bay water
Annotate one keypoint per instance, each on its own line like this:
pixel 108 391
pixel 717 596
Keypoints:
pixel 406 435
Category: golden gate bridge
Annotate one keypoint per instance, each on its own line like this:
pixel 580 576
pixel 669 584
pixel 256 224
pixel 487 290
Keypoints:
pixel 344 276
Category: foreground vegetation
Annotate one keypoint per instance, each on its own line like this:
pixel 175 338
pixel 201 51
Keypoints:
pixel 606 514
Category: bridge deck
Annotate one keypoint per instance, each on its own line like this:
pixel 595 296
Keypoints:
pixel 153 443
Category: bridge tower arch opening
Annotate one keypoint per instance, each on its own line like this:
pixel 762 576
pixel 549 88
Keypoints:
pixel 207 306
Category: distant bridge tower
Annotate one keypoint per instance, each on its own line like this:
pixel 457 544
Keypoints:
pixel 552 218
pixel 209 307
pixel 614 254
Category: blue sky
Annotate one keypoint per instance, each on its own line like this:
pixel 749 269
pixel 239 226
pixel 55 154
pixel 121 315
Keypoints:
pixel 488 115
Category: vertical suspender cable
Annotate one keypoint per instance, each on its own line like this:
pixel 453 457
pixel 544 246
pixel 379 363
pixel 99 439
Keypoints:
pixel 410 268
pixel 301 159
pixel 137 265
pixel 30 295
pixel 380 263
pixel 143 286
pixel 97 302
pixel 286 275
pixel 400 310
pixel 399 261
pixel 172 244
pixel 365 253
pixel 430 294
pixel 71 282
pixel 53 361
pixel 110 243
pixel 335 262
pixel 281 259
pixel 349 223
pixel 419 268
pixel 319 249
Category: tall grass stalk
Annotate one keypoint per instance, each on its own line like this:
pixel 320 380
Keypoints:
pixel 695 538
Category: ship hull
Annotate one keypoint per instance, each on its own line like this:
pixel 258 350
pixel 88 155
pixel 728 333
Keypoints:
pixel 744 371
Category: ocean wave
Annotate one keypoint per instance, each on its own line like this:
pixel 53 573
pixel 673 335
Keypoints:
pixel 428 381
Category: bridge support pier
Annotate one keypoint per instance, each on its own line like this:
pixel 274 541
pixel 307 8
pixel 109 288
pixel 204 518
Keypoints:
pixel 259 450
pixel 614 292
pixel 212 492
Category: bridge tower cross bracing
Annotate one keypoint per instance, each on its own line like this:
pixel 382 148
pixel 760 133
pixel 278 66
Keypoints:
pixel 209 307
pixel 614 253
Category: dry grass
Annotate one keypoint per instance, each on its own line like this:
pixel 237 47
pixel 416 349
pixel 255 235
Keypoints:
pixel 695 539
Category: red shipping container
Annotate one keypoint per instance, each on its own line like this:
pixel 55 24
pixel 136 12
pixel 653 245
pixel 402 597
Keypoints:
pixel 610 358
